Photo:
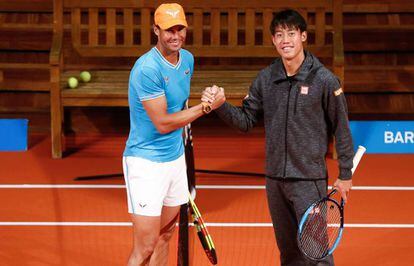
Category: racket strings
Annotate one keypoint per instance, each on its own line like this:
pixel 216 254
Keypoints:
pixel 320 230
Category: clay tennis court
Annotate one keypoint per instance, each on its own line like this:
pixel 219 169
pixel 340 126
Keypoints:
pixel 47 218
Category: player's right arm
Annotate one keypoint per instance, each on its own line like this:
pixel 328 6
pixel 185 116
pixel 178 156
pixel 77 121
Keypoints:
pixel 165 122
pixel 148 83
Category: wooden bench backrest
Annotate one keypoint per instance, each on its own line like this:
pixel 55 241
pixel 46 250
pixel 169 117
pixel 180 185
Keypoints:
pixel 216 28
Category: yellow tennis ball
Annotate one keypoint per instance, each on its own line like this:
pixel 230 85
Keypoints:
pixel 85 76
pixel 73 82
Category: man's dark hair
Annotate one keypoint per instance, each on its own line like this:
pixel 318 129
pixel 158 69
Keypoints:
pixel 288 19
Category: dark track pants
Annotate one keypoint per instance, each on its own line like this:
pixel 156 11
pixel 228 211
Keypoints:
pixel 288 200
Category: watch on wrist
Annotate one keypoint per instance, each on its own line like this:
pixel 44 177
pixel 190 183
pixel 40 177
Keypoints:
pixel 206 107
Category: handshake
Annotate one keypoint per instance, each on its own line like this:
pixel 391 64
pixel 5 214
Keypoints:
pixel 213 96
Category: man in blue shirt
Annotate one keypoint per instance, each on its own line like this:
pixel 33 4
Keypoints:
pixel 154 162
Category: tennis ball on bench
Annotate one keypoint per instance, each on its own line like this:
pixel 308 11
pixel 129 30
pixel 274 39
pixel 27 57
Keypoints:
pixel 73 82
pixel 85 76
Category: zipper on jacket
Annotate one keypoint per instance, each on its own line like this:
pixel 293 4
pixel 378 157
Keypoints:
pixel 286 126
pixel 296 101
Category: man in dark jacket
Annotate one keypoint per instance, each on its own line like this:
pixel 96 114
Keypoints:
pixel 302 105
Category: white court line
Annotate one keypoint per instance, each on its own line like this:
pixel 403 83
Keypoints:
pixel 345 225
pixel 74 186
pixel 121 224
pixel 330 187
pixel 65 224
pixel 59 186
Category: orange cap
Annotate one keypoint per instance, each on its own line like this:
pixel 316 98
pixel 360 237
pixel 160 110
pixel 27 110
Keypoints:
pixel 168 15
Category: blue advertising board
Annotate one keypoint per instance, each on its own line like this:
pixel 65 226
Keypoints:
pixel 384 136
pixel 13 134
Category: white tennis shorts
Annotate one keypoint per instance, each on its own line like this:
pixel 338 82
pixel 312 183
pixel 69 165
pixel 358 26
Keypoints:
pixel 152 185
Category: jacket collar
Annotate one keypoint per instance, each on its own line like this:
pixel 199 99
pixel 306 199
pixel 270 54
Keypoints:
pixel 279 73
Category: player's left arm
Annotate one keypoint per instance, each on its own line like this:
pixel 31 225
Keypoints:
pixel 337 113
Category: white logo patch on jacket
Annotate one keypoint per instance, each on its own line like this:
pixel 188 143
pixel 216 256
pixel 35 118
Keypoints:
pixel 304 90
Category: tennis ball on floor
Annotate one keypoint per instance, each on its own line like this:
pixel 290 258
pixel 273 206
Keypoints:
pixel 85 76
pixel 73 82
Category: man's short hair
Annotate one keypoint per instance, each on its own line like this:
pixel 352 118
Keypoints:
pixel 288 19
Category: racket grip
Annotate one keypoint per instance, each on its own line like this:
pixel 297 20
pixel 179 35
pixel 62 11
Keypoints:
pixel 192 193
pixel 357 158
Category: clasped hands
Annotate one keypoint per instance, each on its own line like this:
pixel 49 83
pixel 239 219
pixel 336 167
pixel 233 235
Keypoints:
pixel 214 96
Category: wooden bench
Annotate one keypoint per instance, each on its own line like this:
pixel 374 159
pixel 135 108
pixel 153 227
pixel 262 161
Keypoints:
pixel 239 30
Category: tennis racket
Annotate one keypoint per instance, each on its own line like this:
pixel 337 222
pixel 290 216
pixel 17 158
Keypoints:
pixel 202 232
pixel 321 227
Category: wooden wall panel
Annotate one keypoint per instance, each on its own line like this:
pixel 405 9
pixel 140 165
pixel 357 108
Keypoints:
pixel 27 26
pixel 26 5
